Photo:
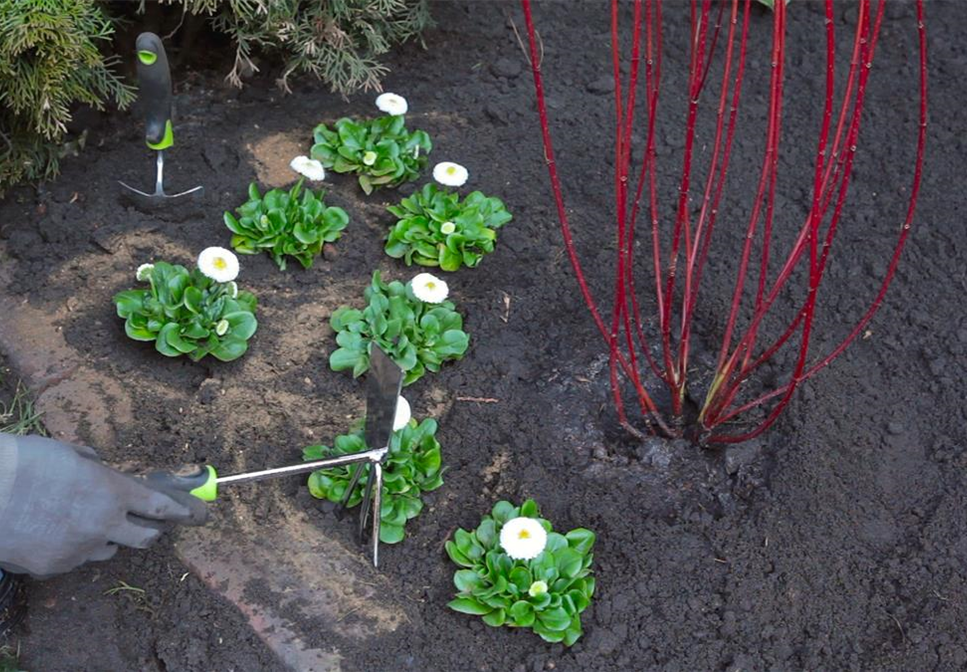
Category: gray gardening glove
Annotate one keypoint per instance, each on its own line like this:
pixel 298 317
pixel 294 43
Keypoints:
pixel 61 507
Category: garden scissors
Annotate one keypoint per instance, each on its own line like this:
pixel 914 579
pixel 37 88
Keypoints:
pixel 154 89
pixel 384 383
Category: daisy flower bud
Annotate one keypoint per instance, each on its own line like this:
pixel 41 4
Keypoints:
pixel 447 228
pixel 537 589
pixel 369 158
pixel 144 272
pixel 222 327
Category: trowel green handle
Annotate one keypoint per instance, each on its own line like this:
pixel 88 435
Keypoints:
pixel 200 481
pixel 154 91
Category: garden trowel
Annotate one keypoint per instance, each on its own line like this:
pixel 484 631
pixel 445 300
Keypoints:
pixel 154 90
pixel 384 381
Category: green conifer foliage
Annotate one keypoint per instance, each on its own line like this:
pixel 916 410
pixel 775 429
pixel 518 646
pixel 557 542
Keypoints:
pixel 337 41
pixel 50 59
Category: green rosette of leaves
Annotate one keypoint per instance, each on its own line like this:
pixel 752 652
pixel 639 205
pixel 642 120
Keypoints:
pixel 187 313
pixel 436 228
pixel 380 151
pixel 284 225
pixel 417 335
pixel 546 593
pixel 412 466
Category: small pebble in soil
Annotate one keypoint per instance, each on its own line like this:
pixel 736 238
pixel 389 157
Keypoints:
pixel 740 457
pixel 601 86
pixel 496 114
pixel 208 391
pixel 507 68
pixel 654 451
pixel 895 428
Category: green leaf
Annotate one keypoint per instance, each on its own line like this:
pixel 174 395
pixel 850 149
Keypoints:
pixel 568 562
pixel 529 509
pixel 230 349
pixel 343 359
pixel 177 342
pixel 504 511
pixel 466 580
pixel 581 540
pixel 487 533
pixel 555 542
pixel 390 534
pixel 138 334
pixel 193 299
pixel 242 324
pixel 521 578
pixel 573 632
pixel 130 302
pixel 163 344
pixel 522 614
pixel 495 618
pixel 468 605
pixel 458 556
pixel 343 317
pixel 554 619
pixel 547 634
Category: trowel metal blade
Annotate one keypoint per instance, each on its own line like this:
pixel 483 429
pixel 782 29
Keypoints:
pixel 159 197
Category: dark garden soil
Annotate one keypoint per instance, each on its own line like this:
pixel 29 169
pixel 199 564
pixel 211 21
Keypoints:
pixel 837 542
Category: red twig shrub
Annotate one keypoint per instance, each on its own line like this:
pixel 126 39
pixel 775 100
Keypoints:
pixel 680 248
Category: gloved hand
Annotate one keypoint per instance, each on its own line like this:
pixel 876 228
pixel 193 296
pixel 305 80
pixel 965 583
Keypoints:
pixel 61 507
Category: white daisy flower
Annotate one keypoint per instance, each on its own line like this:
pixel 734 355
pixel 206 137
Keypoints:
pixel 537 589
pixel 403 414
pixel 523 538
pixel 447 228
pixel 222 327
pixel 308 167
pixel 429 288
pixel 450 174
pixel 233 289
pixel 218 264
pixel 144 272
pixel 390 103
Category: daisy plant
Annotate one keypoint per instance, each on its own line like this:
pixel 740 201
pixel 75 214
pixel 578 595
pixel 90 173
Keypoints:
pixel 516 571
pixel 381 151
pixel 412 466
pixel 436 228
pixel 285 225
pixel 413 323
pixel 194 313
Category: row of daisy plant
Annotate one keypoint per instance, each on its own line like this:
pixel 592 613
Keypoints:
pixel 434 226
pixel 513 569
pixel 420 330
